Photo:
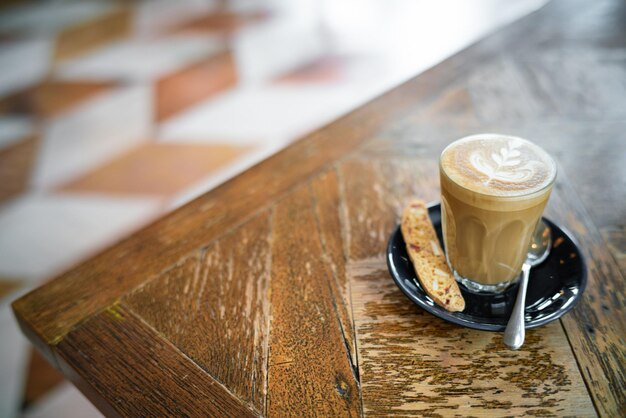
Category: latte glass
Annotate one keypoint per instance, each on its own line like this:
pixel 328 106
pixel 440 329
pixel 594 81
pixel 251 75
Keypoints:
pixel 494 189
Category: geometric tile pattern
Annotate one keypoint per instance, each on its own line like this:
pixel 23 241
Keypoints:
pixel 193 84
pixel 113 113
pixel 43 234
pixel 92 33
pixel 33 56
pixel 219 21
pixel 14 351
pixel 14 128
pixel 324 69
pixel 99 130
pixel 16 163
pixel 51 98
pixel 157 169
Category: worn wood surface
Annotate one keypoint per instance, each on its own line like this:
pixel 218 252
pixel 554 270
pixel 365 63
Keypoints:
pixel 439 368
pixel 309 367
pixel 615 237
pixel 269 295
pixel 412 364
pixel 121 366
pixel 222 297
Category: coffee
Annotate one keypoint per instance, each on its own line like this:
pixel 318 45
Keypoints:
pixel 493 191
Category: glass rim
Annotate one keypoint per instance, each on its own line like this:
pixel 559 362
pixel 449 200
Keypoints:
pixel 515 197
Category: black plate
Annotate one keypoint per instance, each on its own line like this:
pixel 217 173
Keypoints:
pixel 553 289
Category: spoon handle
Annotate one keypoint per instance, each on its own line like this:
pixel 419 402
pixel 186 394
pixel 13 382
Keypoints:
pixel 515 331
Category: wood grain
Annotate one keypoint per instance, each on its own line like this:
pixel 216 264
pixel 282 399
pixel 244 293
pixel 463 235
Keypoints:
pixel 127 369
pixel 315 315
pixel 220 312
pixel 494 84
pixel 328 211
pixel 377 191
pixel 597 331
pixel 596 328
pixel 369 216
pixel 615 238
pixel 441 369
pixel 309 371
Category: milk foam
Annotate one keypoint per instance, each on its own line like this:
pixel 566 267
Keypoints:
pixel 498 165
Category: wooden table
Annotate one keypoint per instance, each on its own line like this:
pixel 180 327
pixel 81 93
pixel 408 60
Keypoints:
pixel 270 295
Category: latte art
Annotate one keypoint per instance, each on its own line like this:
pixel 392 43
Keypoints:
pixel 498 165
pixel 504 165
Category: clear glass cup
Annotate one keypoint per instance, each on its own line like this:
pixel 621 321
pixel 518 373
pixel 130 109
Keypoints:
pixel 487 235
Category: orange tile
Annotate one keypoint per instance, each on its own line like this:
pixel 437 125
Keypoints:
pixel 16 163
pixel 51 98
pixel 7 286
pixel 41 378
pixel 94 33
pixel 157 169
pixel 193 84
pixel 324 69
pixel 221 21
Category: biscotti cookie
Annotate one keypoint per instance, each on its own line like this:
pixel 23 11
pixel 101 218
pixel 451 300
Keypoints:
pixel 428 258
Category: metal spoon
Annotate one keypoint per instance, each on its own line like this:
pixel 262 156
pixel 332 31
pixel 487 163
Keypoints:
pixel 515 331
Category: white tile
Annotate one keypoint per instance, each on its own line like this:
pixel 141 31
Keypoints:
pixel 46 18
pixel 141 59
pixel 267 50
pixel 13 362
pixel 253 6
pixel 157 16
pixel 92 134
pixel 45 234
pixel 411 36
pixel 14 128
pixel 65 401
pixel 23 63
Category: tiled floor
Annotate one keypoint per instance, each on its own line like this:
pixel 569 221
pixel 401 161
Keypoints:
pixel 113 113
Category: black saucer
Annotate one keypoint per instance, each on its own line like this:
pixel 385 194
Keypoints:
pixel 553 289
